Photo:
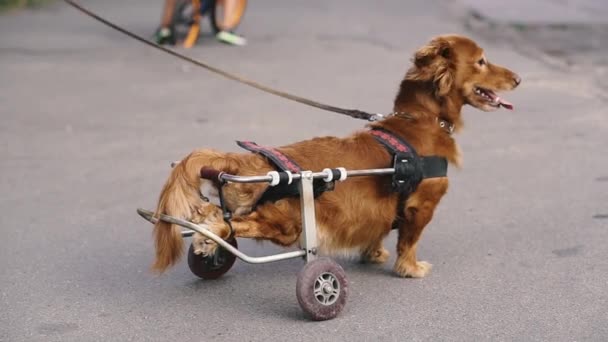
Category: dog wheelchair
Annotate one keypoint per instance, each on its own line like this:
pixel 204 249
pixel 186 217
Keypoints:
pixel 322 285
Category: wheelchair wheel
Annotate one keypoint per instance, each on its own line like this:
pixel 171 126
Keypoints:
pixel 213 266
pixel 322 289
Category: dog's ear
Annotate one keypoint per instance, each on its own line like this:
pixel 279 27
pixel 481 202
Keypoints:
pixel 432 62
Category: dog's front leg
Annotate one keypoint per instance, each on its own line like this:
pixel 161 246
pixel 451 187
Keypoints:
pixel 210 216
pixel 419 210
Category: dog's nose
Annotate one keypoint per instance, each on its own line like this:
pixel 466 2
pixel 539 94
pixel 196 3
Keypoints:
pixel 516 79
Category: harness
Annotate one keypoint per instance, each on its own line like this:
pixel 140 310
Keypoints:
pixel 410 169
pixel 286 166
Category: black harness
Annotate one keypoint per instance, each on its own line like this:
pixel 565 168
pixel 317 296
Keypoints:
pixel 410 169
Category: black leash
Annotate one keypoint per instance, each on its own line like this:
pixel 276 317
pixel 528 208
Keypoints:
pixel 354 113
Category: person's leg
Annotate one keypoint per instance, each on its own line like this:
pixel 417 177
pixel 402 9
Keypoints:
pixel 167 15
pixel 163 34
pixel 232 13
pixel 231 16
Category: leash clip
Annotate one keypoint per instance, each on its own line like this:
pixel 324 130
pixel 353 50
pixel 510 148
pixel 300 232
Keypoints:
pixel 447 126
pixel 375 117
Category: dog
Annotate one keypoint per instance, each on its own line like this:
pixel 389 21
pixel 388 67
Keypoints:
pixel 447 73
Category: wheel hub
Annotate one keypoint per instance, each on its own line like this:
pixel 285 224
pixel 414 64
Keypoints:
pixel 327 289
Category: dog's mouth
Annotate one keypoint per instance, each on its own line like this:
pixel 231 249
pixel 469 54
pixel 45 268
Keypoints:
pixel 490 98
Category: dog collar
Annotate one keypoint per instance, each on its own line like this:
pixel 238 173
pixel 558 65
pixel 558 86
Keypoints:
pixel 445 125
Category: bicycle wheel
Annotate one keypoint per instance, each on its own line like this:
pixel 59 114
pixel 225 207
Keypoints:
pixel 186 18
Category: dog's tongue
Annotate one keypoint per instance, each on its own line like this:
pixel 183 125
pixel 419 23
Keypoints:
pixel 504 103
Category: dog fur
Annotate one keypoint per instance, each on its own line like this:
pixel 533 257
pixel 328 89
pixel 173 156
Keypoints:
pixel 447 73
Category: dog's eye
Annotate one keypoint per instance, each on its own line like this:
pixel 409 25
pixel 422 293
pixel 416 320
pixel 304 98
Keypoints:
pixel 481 62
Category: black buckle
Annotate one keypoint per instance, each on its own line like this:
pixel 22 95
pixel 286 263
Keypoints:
pixel 408 173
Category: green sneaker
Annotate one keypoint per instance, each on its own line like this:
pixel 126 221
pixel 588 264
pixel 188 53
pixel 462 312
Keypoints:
pixel 230 38
pixel 164 36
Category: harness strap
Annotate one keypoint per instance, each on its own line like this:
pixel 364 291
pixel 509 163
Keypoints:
pixel 432 166
pixel 283 163
pixel 277 157
pixel 400 214
pixel 275 193
pixel 393 143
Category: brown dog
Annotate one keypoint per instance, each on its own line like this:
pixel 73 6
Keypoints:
pixel 449 72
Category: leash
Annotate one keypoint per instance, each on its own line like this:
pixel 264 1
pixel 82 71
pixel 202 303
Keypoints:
pixel 353 113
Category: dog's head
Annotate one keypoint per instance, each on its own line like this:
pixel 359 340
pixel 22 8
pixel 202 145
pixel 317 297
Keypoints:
pixel 459 70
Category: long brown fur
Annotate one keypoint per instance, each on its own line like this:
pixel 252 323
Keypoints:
pixel 359 212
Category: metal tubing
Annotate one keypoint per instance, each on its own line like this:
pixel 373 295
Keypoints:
pixel 308 237
pixel 148 215
pixel 315 175
pixel 150 218
pixel 370 172
pixel 246 179
pixel 187 233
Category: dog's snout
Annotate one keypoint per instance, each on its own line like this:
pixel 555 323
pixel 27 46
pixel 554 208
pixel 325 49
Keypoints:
pixel 516 79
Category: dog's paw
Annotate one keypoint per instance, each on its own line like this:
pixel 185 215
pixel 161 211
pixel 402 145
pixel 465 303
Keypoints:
pixel 206 248
pixel 242 211
pixel 378 256
pixel 208 212
pixel 203 246
pixel 209 248
pixel 419 270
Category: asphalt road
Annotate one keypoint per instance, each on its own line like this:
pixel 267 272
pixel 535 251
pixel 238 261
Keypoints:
pixel 90 121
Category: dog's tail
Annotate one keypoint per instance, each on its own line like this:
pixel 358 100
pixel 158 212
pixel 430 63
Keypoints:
pixel 179 198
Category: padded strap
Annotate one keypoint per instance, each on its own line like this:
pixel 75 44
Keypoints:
pixel 275 193
pixel 432 166
pixel 392 142
pixel 285 188
pixel 281 161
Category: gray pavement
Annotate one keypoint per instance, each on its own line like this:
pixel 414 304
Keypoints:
pixel 570 35
pixel 91 119
pixel 541 12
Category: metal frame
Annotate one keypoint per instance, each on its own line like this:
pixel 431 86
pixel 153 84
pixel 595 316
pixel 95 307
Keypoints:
pixel 308 238
pixel 148 215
